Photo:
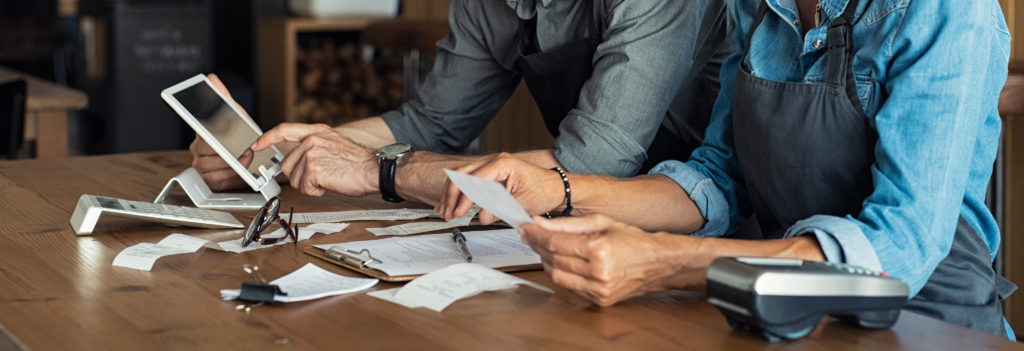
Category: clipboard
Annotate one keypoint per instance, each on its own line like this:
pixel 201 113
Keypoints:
pixel 358 260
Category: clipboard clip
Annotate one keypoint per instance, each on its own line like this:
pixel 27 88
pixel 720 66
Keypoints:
pixel 354 258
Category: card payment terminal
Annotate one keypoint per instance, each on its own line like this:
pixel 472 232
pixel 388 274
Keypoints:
pixel 786 298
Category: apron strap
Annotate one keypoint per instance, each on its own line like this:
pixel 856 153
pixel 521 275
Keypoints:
pixel 761 10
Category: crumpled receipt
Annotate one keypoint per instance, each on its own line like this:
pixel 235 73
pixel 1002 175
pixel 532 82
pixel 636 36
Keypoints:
pixel 438 289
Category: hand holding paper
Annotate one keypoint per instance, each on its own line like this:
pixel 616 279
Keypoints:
pixel 490 196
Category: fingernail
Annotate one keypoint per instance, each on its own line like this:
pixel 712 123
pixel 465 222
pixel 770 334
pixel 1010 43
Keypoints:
pixel 521 231
pixel 253 146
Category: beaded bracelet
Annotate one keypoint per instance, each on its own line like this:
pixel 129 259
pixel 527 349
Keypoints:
pixel 568 193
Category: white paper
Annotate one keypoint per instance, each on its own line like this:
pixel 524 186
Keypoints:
pixel 422 227
pixel 399 214
pixel 310 282
pixel 491 196
pixel 422 254
pixel 143 256
pixel 439 289
pixel 325 228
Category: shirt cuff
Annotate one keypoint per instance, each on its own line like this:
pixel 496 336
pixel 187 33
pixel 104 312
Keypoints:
pixel 703 191
pixel 840 239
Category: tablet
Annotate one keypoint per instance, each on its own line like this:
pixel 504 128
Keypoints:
pixel 224 127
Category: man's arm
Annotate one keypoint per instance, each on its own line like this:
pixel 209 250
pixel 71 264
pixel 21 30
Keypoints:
pixel 649 47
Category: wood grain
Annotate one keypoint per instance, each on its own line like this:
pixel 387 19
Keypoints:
pixel 61 292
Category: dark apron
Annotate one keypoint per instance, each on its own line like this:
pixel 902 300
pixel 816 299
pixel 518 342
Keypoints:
pixel 807 148
pixel 556 77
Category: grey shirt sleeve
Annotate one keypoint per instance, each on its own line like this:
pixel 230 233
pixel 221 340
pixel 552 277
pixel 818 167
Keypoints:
pixel 467 86
pixel 647 50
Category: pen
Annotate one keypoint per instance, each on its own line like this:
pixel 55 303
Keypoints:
pixel 460 239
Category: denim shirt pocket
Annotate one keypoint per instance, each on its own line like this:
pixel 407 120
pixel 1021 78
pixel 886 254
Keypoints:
pixel 865 90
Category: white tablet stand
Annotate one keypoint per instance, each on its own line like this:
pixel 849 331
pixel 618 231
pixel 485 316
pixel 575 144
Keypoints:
pixel 202 196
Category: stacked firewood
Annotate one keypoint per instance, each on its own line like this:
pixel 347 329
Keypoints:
pixel 337 84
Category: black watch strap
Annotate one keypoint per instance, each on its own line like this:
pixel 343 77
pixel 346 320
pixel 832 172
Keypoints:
pixel 387 180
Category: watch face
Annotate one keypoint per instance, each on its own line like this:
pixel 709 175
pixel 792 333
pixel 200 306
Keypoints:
pixel 395 149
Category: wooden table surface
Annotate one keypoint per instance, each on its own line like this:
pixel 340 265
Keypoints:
pixel 59 291
pixel 46 112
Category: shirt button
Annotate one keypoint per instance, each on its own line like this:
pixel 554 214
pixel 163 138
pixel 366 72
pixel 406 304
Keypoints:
pixel 796 21
pixel 818 43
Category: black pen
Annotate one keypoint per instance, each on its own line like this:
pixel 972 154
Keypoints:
pixel 460 239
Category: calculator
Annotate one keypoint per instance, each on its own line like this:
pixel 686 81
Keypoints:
pixel 91 207
pixel 787 298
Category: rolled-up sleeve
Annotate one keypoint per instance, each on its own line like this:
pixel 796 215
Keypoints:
pixel 466 87
pixel 647 51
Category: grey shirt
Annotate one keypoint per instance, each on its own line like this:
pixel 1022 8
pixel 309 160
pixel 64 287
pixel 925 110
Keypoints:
pixel 653 55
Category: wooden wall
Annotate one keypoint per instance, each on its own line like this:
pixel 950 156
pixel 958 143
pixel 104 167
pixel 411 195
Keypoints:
pixel 1013 189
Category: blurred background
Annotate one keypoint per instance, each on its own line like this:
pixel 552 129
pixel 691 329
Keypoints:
pixel 328 61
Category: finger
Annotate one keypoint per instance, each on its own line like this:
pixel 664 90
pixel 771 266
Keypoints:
pixel 293 132
pixel 310 182
pixel 246 157
pixel 463 206
pixel 219 85
pixel 209 163
pixel 222 179
pixel 557 242
pixel 290 160
pixel 568 280
pixel 199 147
pixel 486 217
pixel 449 199
pixel 574 265
pixel 297 173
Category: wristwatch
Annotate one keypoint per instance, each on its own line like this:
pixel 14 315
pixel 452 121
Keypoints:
pixel 389 158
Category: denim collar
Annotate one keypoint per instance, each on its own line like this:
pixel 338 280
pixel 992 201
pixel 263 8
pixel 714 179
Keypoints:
pixel 526 9
pixel 831 8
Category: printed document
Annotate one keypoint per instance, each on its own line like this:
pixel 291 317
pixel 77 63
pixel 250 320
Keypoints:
pixel 400 214
pixel 413 255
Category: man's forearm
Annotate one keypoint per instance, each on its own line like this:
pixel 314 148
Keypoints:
pixel 371 132
pixel 421 177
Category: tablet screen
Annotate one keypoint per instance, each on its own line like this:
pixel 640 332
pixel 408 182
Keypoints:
pixel 228 127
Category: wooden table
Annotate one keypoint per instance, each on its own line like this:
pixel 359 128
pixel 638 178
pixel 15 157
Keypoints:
pixel 46 112
pixel 60 292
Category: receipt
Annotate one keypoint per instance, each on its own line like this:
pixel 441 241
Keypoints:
pixel 400 214
pixel 436 290
pixel 422 227
pixel 491 196
pixel 144 256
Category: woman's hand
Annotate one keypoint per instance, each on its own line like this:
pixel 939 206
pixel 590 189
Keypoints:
pixel 606 261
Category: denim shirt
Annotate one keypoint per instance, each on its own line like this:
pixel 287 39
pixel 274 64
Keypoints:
pixel 929 74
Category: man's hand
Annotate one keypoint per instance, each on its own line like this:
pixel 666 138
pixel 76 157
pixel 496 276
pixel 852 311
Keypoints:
pixel 323 160
pixel 215 172
pixel 603 260
pixel 537 189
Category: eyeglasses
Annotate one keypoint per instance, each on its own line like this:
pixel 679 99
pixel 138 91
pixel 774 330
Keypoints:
pixel 267 215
